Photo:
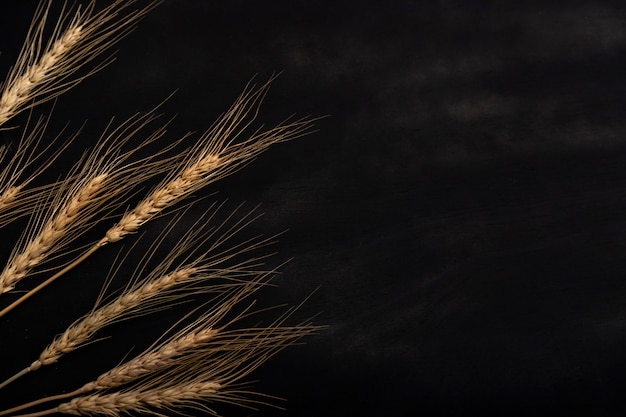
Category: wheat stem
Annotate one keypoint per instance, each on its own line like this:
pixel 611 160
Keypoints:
pixel 14 378
pixel 40 401
pixel 48 281
pixel 39 413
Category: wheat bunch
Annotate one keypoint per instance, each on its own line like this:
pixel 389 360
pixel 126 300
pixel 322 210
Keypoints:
pixel 205 361
pixel 192 385
pixel 199 354
pixel 196 260
pixel 219 152
pixel 47 68
pixel 209 340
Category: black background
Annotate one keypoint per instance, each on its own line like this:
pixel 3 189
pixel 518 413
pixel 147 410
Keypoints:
pixel 461 212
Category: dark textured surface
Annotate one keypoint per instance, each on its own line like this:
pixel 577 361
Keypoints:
pixel 462 211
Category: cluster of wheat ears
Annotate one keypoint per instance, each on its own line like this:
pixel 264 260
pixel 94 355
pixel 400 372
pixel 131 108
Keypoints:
pixel 204 358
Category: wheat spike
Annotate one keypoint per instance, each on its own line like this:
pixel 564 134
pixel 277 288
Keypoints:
pixel 46 69
pixel 119 403
pixel 151 362
pixel 217 154
pixel 96 184
pixel 52 232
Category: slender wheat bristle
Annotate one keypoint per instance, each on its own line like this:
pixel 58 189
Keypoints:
pixel 45 69
pixel 217 154
pixel 26 163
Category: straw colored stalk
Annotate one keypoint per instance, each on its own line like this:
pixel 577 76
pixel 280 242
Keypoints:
pixel 47 67
pixel 96 185
pixel 23 166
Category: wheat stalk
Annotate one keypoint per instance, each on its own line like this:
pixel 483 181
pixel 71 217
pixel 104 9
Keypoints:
pixel 45 69
pixel 197 259
pixel 96 184
pixel 218 153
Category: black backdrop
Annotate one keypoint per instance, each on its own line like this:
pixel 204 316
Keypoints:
pixel 461 212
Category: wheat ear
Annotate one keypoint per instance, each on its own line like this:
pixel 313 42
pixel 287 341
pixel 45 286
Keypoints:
pixel 45 69
pixel 120 403
pixel 97 184
pixel 217 154
pixel 82 331
pixel 141 401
